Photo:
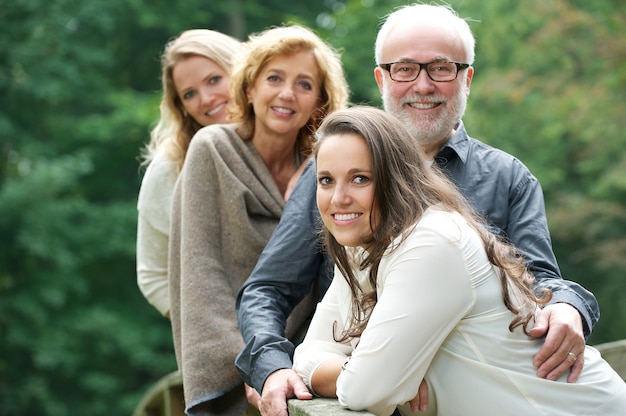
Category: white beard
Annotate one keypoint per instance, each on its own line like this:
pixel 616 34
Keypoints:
pixel 428 130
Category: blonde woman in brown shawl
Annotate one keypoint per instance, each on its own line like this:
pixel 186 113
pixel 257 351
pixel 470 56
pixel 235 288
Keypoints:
pixel 195 70
pixel 230 196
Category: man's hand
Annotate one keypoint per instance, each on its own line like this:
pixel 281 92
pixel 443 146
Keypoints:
pixel 564 346
pixel 253 396
pixel 281 385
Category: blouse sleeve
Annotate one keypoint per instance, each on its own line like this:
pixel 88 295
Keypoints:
pixel 319 344
pixel 425 292
pixel 153 224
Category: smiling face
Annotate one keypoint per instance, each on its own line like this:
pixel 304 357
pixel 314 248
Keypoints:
pixel 428 109
pixel 345 188
pixel 202 87
pixel 285 94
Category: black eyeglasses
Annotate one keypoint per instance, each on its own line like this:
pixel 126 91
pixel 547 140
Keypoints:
pixel 407 71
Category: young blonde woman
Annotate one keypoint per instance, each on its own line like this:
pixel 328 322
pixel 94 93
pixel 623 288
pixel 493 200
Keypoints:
pixel 195 76
pixel 230 195
pixel 423 291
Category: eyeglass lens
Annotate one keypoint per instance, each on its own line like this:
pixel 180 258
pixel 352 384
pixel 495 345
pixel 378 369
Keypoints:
pixel 409 71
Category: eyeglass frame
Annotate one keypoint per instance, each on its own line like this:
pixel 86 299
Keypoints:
pixel 424 65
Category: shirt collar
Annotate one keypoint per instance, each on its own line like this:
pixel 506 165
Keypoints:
pixel 457 144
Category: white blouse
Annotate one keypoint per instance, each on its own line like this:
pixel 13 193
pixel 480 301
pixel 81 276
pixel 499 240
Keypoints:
pixel 154 208
pixel 440 316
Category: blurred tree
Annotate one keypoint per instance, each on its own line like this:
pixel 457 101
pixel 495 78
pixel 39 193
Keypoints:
pixel 549 86
pixel 79 91
pixel 70 135
pixel 352 28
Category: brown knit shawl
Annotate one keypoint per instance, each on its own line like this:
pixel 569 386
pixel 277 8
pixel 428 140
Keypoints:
pixel 225 207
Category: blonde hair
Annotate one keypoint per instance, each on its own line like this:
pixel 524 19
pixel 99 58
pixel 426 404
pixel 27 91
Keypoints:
pixel 287 40
pixel 175 127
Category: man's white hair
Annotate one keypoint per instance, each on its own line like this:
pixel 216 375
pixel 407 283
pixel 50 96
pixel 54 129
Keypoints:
pixel 444 14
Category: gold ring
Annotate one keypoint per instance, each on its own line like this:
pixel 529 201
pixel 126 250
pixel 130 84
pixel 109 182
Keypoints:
pixel 571 354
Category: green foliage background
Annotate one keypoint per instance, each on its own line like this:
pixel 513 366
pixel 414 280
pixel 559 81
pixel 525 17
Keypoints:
pixel 79 91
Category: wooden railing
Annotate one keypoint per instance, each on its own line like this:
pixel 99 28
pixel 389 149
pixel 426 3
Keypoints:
pixel 615 354
pixel 321 407
pixel 165 398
